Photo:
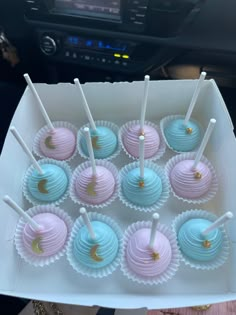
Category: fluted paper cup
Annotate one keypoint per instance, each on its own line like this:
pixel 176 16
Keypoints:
pixel 171 269
pixel 164 123
pixel 102 123
pixel 165 186
pixel 54 154
pixel 88 271
pixel 214 183
pixel 28 173
pixel 30 257
pixel 222 255
pixel 162 146
pixel 73 194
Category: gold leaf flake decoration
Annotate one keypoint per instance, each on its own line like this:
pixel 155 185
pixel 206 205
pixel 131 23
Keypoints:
pixel 95 143
pixel 94 255
pixel 206 244
pixel 41 186
pixel 49 144
pixel 36 245
pixel 155 256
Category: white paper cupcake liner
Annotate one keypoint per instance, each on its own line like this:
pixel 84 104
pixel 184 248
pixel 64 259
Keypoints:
pixel 162 147
pixel 164 122
pixel 35 201
pixel 171 269
pixel 36 260
pixel 87 271
pixel 103 123
pixel 224 253
pixel 57 124
pixel 165 186
pixel 191 156
pixel 111 167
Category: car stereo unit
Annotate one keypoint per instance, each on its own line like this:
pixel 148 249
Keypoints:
pixel 113 35
pixel 114 14
pixel 150 17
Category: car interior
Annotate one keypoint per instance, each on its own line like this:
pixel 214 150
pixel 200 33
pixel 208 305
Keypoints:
pixel 120 40
pixel 112 41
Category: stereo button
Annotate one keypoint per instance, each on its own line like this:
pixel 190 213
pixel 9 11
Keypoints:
pixel 142 7
pixel 138 22
pixel 48 45
pixel 140 18
pixel 132 18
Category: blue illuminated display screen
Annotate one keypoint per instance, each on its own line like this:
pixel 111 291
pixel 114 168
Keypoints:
pixel 104 45
pixel 73 40
pixel 96 44
pixel 107 9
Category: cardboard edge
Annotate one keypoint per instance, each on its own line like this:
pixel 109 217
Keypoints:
pixel 222 102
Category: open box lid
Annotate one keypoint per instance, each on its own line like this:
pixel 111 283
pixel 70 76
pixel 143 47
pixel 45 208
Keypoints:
pixel 119 102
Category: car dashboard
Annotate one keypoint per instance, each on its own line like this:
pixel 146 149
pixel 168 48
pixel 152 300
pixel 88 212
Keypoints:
pixel 119 39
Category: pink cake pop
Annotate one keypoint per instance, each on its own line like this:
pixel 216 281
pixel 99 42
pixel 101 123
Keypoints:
pixel 43 234
pixel 58 142
pixel 131 131
pixel 94 184
pixel 150 252
pixel 131 136
pixel 49 239
pixel 95 189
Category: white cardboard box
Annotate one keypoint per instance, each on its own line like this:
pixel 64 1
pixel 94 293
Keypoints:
pixel 119 103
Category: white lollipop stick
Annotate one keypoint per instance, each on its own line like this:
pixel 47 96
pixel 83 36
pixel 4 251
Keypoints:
pixel 155 219
pixel 21 212
pixel 220 221
pixel 26 149
pixel 90 149
pixel 87 222
pixel 204 142
pixel 144 104
pixel 194 98
pixel 85 105
pixel 41 107
pixel 141 156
